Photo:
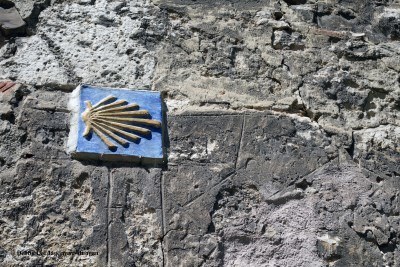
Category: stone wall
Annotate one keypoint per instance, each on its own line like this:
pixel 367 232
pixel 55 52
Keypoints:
pixel 282 141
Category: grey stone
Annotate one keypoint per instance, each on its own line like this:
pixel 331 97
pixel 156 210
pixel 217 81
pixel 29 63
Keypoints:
pixel 135 218
pixel 377 150
pixel 192 203
pixel 204 139
pixel 76 214
pixel 45 120
pixel 277 151
pixel 11 22
pixel 287 40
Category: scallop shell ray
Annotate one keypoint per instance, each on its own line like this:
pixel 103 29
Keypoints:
pixel 113 119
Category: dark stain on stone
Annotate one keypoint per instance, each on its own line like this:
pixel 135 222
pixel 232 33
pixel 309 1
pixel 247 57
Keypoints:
pixel 296 2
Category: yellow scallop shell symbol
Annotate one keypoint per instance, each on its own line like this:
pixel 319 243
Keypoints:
pixel 113 119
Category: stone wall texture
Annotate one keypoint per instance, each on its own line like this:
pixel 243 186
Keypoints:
pixel 283 137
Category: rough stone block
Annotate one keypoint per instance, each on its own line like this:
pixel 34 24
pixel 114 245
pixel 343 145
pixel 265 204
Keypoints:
pixel 276 151
pixel 61 211
pixel 213 208
pixel 204 139
pixel 135 218
pixel 44 119
pixel 189 197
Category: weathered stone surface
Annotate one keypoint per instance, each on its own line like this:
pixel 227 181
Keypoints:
pixel 204 139
pixel 274 153
pixel 54 208
pixel 135 222
pixel 277 151
pixel 44 118
pixel 378 150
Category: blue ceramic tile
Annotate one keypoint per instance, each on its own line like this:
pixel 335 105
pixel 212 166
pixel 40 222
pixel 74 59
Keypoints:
pixel 150 147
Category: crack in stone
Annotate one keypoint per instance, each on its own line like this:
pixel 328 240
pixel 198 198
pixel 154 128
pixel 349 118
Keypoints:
pixel 108 239
pixel 162 218
pixel 240 141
